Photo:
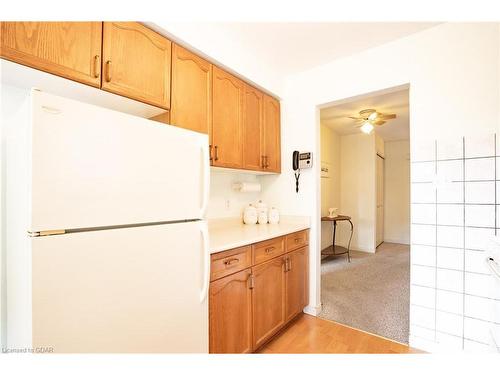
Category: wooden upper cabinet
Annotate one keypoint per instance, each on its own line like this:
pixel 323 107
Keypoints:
pixel 296 282
pixel 136 63
pixel 191 91
pixel 253 129
pixel 230 307
pixel 227 119
pixel 268 300
pixel 68 49
pixel 272 138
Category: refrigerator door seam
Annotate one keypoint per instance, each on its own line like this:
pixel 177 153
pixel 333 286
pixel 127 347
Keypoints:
pixel 94 229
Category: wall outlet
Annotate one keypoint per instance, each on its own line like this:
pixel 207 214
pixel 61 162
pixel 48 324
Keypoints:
pixel 228 204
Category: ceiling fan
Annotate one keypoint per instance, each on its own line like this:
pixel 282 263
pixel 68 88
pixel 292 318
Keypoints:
pixel 370 118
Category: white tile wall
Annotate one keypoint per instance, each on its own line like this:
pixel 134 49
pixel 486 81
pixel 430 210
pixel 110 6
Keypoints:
pixel 450 170
pixel 450 192
pixel 450 236
pixel 480 215
pixel 455 211
pixel 450 214
pixel 480 192
pixel 452 302
pixel 423 193
pixel 423 255
pixel 450 258
pixel 423 214
pixel 449 323
pixel 480 169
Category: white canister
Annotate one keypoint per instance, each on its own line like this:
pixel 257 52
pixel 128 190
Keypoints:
pixel 263 217
pixel 261 207
pixel 274 216
pixel 250 215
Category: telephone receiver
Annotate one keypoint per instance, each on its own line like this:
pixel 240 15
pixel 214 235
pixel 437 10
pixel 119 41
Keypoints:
pixel 295 160
pixel 295 166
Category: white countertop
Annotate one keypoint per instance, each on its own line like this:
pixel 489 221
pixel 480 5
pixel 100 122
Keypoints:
pixel 229 233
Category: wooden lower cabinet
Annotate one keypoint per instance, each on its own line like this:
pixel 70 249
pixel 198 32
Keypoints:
pixel 296 282
pixel 268 299
pixel 230 310
pixel 249 306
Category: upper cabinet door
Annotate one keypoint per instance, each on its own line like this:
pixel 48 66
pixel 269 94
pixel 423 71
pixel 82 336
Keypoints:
pixel 191 91
pixel 136 63
pixel 68 49
pixel 227 125
pixel 272 140
pixel 253 129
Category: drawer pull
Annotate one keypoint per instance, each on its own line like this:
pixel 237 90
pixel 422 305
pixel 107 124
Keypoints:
pixel 297 240
pixel 231 261
pixel 270 249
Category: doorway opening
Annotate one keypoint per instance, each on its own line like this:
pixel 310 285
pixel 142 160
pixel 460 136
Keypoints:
pixel 365 210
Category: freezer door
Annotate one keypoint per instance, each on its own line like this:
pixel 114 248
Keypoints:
pixel 94 167
pixel 135 290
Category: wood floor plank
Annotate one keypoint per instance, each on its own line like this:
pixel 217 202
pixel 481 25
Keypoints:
pixel 309 334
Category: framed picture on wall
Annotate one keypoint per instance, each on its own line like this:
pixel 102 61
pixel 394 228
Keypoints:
pixel 325 170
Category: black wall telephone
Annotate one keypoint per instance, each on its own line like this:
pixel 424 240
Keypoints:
pixel 295 166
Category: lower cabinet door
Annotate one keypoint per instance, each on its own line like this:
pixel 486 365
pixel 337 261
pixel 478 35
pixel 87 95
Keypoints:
pixel 268 299
pixel 230 308
pixel 296 282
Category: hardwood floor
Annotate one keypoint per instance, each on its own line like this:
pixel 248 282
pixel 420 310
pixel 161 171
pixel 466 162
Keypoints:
pixel 309 334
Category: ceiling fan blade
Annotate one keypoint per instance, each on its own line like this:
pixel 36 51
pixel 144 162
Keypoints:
pixel 386 116
pixel 355 118
pixel 379 122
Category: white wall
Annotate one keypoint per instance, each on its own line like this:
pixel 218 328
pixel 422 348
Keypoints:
pixel 397 192
pixel 228 52
pixel 330 186
pixel 452 70
pixel 357 188
pixel 224 200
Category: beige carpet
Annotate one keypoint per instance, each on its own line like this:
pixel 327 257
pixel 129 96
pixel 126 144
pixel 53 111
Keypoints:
pixel 371 293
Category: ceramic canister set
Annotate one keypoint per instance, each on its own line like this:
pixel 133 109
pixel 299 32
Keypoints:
pixel 259 213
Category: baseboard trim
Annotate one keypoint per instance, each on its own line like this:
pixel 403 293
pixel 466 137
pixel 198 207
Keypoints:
pixel 312 310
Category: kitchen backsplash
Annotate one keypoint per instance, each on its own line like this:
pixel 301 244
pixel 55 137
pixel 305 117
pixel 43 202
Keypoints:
pixel 455 202
pixel 224 200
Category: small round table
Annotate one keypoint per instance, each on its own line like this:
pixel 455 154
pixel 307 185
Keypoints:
pixel 336 249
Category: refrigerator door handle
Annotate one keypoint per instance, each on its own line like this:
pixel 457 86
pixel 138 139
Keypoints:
pixel 205 162
pixel 206 264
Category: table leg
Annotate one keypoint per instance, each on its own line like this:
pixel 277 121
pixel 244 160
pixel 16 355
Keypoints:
pixel 333 240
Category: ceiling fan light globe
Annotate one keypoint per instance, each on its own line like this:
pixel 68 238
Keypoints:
pixel 367 128
pixel 373 116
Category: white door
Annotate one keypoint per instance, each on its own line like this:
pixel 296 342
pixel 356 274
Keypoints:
pixel 140 290
pixel 94 167
pixel 380 200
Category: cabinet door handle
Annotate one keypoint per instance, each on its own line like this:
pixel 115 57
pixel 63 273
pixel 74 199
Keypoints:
pixel 96 66
pixel 263 161
pixel 108 71
pixel 267 162
pixel 210 152
pixel 216 153
pixel 286 264
pixel 251 281
pixel 229 262
pixel 289 264
pixel 270 249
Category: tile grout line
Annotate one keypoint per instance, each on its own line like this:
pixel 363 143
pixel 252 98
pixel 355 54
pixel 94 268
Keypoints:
pixel 463 272
pixel 436 239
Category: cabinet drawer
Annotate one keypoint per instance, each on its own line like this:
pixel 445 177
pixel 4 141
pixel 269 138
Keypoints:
pixel 230 261
pixel 296 240
pixel 269 249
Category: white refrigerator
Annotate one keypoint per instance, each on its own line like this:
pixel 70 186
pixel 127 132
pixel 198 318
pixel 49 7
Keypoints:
pixel 107 249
